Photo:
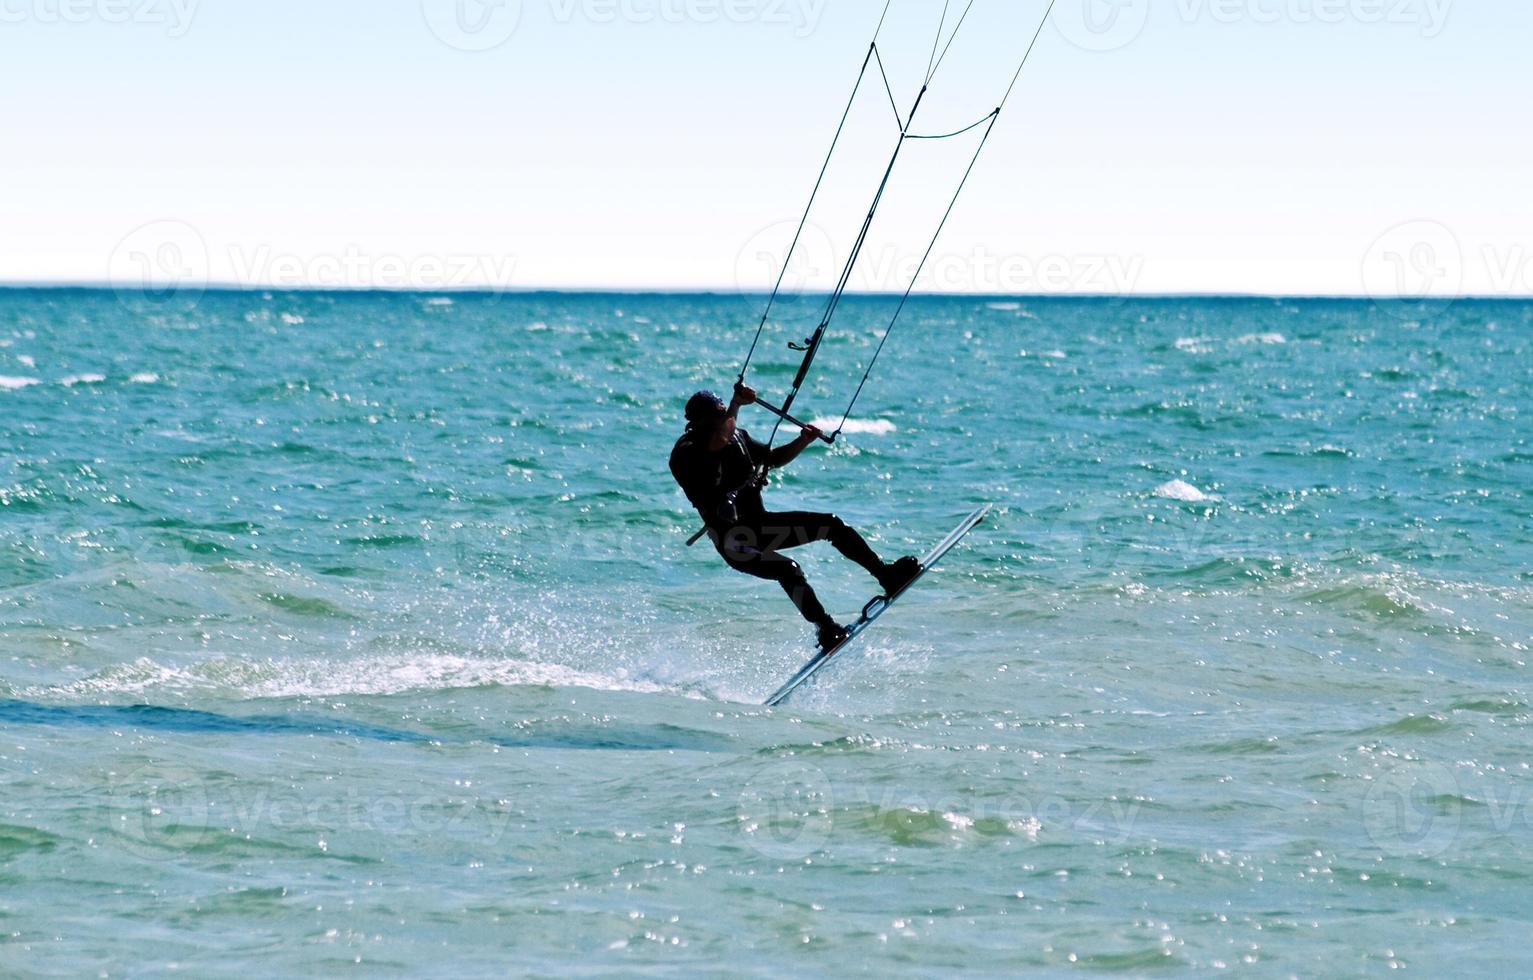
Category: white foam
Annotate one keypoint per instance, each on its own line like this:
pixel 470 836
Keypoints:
pixel 396 675
pixel 1182 491
pixel 858 427
pixel 383 675
pixel 10 383
pixel 145 378
pixel 1004 307
pixel 26 360
pixel 1193 345
pixel 439 301
pixel 1264 338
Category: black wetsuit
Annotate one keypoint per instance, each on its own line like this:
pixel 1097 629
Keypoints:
pixel 725 488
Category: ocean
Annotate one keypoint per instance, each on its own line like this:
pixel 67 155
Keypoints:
pixel 356 633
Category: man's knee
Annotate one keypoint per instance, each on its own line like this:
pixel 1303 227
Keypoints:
pixel 822 527
pixel 740 543
pixel 789 572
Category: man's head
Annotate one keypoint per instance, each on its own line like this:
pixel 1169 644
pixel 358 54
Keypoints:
pixel 707 414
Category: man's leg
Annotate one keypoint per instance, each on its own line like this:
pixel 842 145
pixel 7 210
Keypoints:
pixel 791 529
pixel 766 563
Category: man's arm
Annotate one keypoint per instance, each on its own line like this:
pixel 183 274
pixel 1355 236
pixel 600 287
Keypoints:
pixel 785 454
pixel 782 455
pixel 744 395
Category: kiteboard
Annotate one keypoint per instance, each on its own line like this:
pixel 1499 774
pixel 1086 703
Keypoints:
pixel 876 607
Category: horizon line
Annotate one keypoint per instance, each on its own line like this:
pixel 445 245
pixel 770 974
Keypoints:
pixel 483 290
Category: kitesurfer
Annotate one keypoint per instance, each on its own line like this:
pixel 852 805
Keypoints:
pixel 723 470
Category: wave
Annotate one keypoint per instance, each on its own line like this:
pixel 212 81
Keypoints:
pixel 858 427
pixel 1182 491
pixel 16 839
pixel 557 733
pixel 1427 724
pixel 10 382
pixel 1505 706
pixel 1463 611
pixel 1205 345
pixel 1323 451
pixel 888 821
pixel 1370 598
pixel 386 675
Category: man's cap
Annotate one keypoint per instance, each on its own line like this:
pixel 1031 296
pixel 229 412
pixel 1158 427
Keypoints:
pixel 705 408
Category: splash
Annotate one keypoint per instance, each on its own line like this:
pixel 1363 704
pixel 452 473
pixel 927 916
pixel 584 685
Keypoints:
pixel 239 678
pixel 859 427
pixel 1181 490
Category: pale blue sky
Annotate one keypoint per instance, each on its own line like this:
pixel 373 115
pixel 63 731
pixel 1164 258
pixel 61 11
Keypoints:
pixel 1272 146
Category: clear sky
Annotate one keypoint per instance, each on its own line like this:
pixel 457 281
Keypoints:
pixel 1271 146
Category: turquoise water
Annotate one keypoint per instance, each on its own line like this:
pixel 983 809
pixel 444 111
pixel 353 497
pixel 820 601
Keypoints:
pixel 357 633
